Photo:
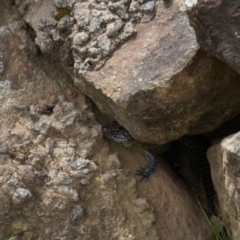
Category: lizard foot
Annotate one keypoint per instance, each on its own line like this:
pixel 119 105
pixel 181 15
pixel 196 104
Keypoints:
pixel 147 171
pixel 143 172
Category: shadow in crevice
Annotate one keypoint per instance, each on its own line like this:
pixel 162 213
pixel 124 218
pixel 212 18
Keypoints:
pixel 168 3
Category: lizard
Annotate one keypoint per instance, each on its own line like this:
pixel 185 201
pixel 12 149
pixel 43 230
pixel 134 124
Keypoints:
pixel 119 134
pixel 194 144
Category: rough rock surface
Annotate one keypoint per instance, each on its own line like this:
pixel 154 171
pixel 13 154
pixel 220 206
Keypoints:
pixel 224 159
pixel 159 85
pixel 217 28
pixel 88 31
pixel 58 178
pixel 156 189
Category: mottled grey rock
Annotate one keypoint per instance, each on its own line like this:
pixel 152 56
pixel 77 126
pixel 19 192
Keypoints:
pixel 5 86
pixel 65 22
pixel 4 149
pixel 224 158
pixel 219 37
pixel 160 85
pixel 1 62
pixel 63 146
pixel 112 29
pixel 80 38
pixel 3 31
pixel 75 214
pixel 148 6
pixel 148 11
pixel 20 196
pixel 88 24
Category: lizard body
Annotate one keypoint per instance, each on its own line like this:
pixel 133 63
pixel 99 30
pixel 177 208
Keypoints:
pixel 119 134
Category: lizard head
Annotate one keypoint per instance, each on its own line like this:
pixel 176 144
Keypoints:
pixel 117 133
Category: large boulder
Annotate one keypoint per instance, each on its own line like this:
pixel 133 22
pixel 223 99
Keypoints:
pixel 159 85
pixel 216 24
pixel 58 177
pixel 224 158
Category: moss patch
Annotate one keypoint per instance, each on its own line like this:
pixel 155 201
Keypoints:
pixel 62 12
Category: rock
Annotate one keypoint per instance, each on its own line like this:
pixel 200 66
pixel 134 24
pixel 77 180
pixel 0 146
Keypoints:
pixel 148 11
pixel 20 196
pixel 112 30
pixel 219 37
pixel 160 85
pixel 224 158
pixel 56 152
pixel 88 24
pixel 80 38
pixel 65 22
pixel 1 63
pixel 4 148
pixel 20 226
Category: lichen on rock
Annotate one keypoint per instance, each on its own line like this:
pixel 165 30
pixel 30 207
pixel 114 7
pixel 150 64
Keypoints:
pixel 102 25
pixel 53 158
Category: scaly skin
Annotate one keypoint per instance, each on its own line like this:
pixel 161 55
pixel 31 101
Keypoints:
pixel 193 144
pixel 119 134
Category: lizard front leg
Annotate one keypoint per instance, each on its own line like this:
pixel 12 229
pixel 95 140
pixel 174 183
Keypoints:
pixel 152 163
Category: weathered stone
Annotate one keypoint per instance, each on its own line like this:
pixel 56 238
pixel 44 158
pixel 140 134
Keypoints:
pixel 88 24
pixel 20 196
pixel 80 38
pixel 217 28
pixel 65 22
pixel 76 213
pixel 20 226
pixel 112 29
pixel 160 86
pixel 4 148
pixel 56 152
pixel 224 159
pixel 148 11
